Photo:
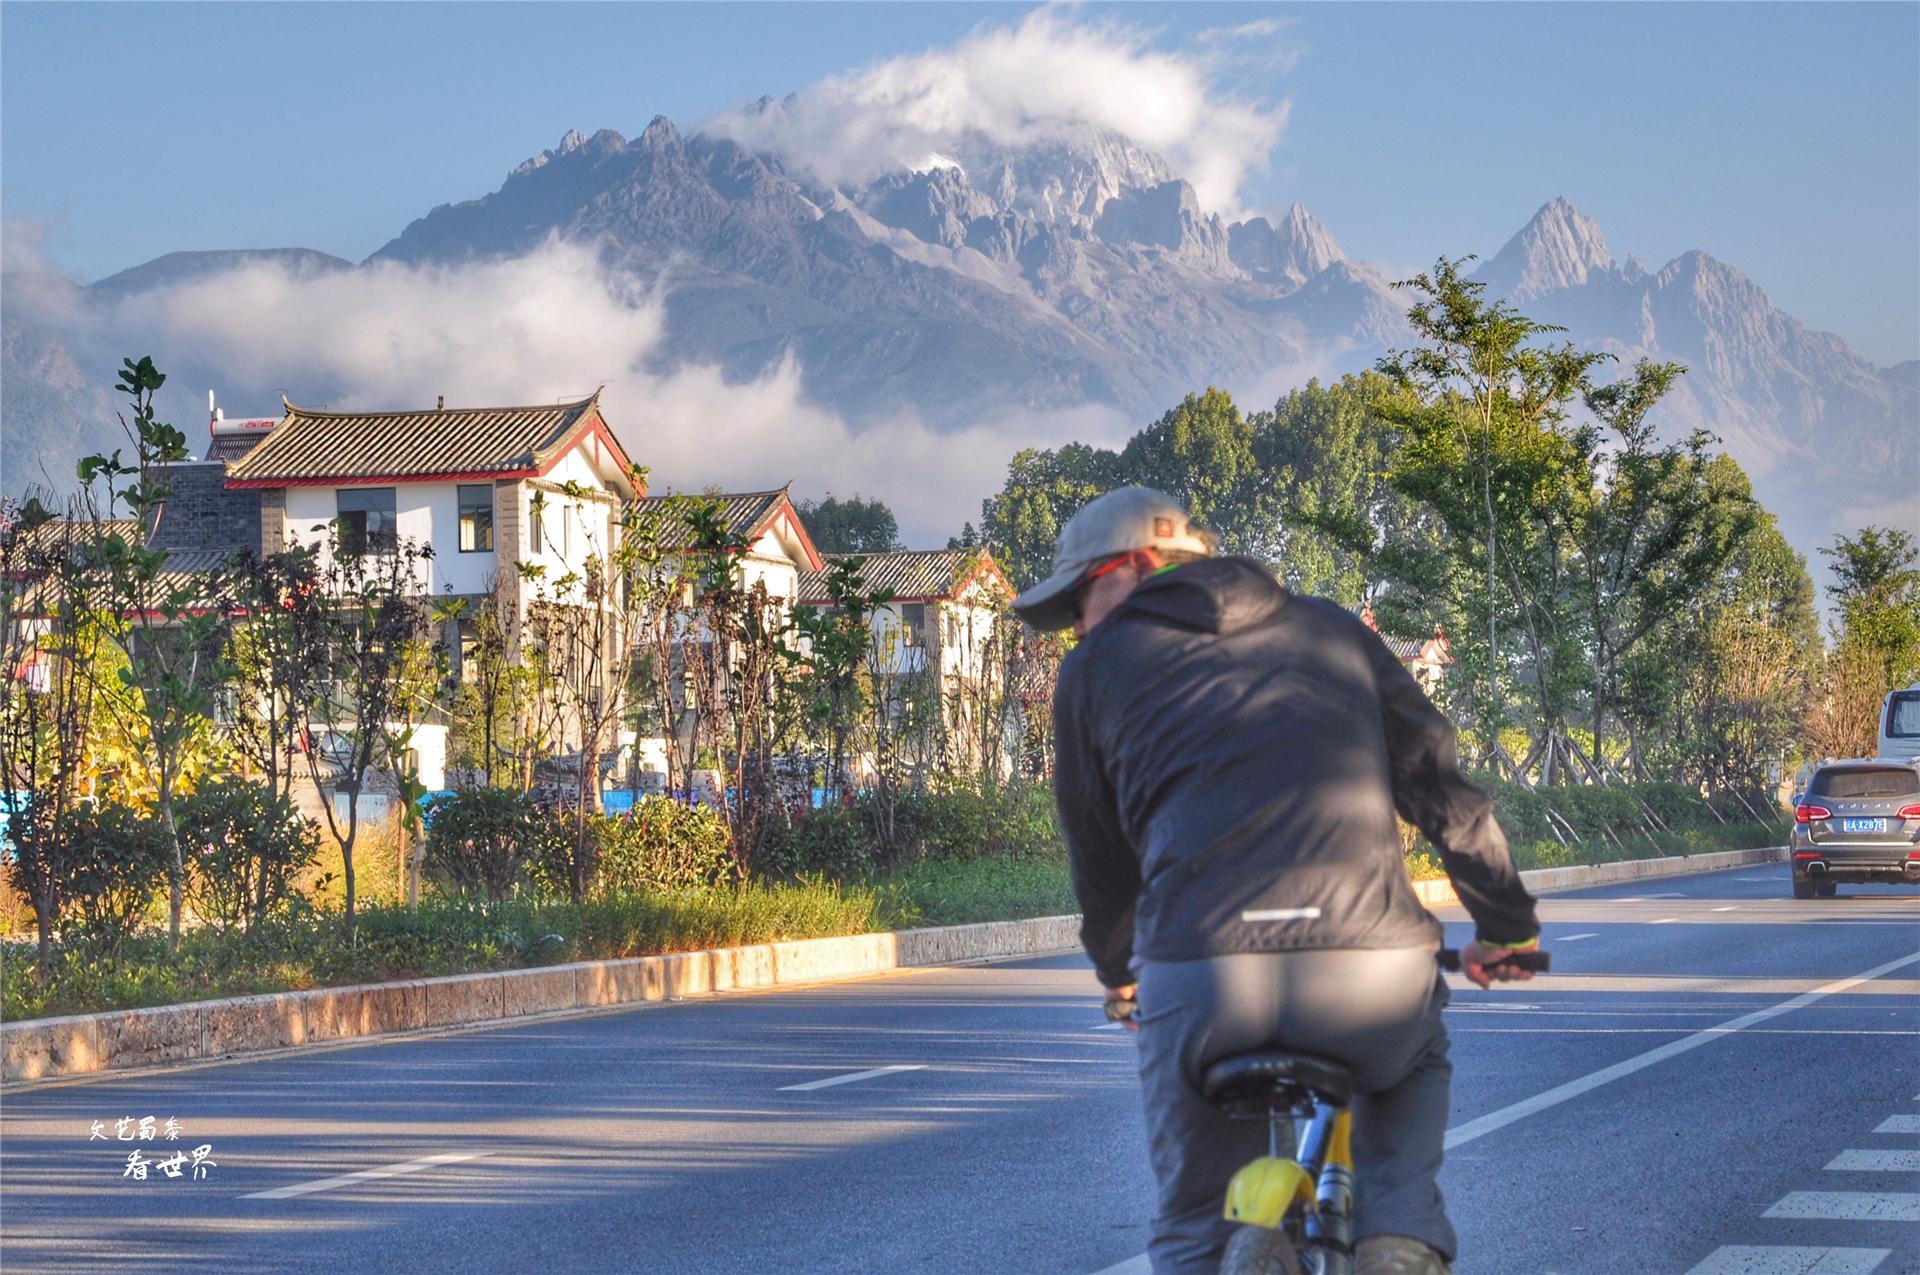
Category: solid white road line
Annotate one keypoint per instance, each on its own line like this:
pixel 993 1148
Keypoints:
pixel 1459 1135
pixel 1899 1124
pixel 1877 1161
pixel 1575 938
pixel 1849 1206
pixel 850 1077
pixel 366 1175
pixel 1786 1259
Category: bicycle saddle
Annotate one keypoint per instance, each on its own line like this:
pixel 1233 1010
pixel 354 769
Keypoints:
pixel 1249 1078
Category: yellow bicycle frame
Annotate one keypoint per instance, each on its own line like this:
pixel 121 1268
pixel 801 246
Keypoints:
pixel 1265 1191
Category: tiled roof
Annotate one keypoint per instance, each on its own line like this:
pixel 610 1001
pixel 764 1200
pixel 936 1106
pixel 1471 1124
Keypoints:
pixel 905 573
pixel 309 446
pixel 181 567
pixel 1404 649
pixel 746 514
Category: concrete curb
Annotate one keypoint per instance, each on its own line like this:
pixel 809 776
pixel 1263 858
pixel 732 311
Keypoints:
pixel 44 1048
pixel 1553 880
pixel 82 1044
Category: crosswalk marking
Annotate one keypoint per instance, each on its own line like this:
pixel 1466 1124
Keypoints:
pixel 1787 1259
pixel 1899 1124
pixel 1849 1206
pixel 1877 1161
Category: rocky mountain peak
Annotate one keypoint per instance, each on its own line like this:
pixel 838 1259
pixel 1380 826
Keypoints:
pixel 1167 215
pixel 660 135
pixel 1561 247
pixel 1290 254
pixel 603 143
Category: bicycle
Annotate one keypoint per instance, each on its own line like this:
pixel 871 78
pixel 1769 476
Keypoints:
pixel 1296 1215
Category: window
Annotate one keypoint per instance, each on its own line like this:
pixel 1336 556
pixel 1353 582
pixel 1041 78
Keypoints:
pixel 476 518
pixel 366 520
pixel 1903 715
pixel 1865 782
pixel 913 623
pixel 548 527
pixel 468 644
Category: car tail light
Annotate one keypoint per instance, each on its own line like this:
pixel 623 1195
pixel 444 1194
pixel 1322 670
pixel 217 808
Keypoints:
pixel 1910 812
pixel 1807 814
pixel 1811 854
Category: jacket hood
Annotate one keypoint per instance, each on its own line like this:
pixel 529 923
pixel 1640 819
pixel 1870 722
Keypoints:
pixel 1213 595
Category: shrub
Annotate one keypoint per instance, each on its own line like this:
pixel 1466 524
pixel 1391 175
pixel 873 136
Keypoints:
pixel 833 841
pixel 244 845
pixel 483 838
pixel 98 866
pixel 664 845
pixel 565 856
pixel 954 821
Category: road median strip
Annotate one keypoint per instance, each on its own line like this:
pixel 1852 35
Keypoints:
pixel 119 1040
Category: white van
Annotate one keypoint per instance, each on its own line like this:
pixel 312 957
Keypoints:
pixel 1900 725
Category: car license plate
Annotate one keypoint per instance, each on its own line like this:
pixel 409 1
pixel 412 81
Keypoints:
pixel 1863 825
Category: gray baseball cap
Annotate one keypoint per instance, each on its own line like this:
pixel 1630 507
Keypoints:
pixel 1124 519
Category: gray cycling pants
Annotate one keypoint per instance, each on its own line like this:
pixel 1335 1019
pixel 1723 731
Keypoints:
pixel 1376 1011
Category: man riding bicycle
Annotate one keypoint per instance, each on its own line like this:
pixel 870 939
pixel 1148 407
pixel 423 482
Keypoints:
pixel 1230 759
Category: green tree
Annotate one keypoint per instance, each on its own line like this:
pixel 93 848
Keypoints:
pixel 173 625
pixel 1043 490
pixel 1877 588
pixel 1655 532
pixel 1876 644
pixel 377 621
pixel 1718 691
pixel 837 637
pixel 1202 453
pixel 1480 417
pixel 850 526
pixel 1342 524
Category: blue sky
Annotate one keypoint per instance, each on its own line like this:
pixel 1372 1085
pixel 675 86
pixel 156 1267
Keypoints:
pixel 1784 139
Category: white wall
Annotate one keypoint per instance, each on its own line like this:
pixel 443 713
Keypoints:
pixel 426 512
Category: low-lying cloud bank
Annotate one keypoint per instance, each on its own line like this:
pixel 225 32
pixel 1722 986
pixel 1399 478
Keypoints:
pixel 548 326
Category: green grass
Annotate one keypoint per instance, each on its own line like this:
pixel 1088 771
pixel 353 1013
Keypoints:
pixel 960 892
pixel 444 936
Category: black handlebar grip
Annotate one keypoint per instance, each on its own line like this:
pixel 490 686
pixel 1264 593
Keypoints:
pixel 1539 962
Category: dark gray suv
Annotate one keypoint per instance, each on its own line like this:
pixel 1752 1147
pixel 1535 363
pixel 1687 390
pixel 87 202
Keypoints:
pixel 1858 821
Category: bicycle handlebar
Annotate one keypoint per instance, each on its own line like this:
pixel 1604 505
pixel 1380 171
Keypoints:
pixel 1536 961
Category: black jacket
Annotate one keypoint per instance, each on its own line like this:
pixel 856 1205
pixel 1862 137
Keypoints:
pixel 1230 760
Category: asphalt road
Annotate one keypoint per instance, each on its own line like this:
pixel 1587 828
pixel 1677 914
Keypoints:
pixel 1720 1080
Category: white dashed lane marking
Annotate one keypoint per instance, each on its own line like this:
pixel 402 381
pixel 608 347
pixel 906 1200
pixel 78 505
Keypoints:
pixel 1785 1259
pixel 1575 938
pixel 851 1077
pixel 366 1175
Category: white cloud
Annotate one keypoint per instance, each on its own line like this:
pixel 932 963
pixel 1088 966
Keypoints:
pixel 539 328
pixel 1052 76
